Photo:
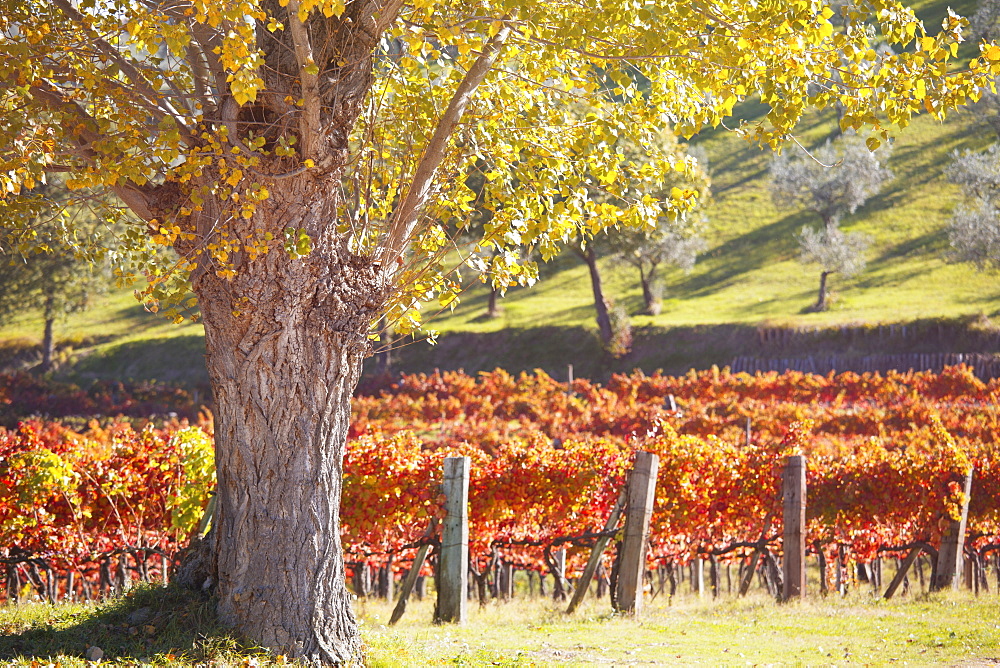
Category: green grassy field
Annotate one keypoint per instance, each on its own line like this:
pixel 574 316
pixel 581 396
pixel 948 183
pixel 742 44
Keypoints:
pixel 749 632
pixel 168 627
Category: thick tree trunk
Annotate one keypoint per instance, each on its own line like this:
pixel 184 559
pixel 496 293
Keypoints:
pixel 600 303
pixel 281 422
pixel 285 340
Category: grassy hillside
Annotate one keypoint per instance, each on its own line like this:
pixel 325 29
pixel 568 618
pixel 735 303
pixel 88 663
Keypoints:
pixel 749 277
pixel 751 272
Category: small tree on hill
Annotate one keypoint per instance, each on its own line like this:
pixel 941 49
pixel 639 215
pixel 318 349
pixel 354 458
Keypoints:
pixel 48 274
pixel 974 232
pixel 838 178
pixel 648 250
pixel 667 238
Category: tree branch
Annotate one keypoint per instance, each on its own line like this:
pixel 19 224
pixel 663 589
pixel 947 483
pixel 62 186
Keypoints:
pixel 404 222
pixel 131 194
pixel 309 122
pixel 140 82
pixel 207 42
pixel 199 53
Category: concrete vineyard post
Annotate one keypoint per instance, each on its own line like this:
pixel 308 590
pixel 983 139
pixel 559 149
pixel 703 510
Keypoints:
pixel 641 495
pixel 794 501
pixel 453 566
pixel 949 560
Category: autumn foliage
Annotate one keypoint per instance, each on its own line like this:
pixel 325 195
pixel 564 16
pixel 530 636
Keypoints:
pixel 885 456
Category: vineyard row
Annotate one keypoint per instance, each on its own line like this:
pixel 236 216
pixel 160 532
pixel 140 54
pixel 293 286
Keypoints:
pixel 548 462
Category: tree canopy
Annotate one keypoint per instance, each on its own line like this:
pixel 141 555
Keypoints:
pixel 222 101
pixel 835 180
pixel 974 232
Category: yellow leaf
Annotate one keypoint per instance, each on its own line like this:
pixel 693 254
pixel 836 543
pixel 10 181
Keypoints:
pixel 335 8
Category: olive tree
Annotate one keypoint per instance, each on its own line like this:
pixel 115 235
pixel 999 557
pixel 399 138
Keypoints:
pixel 833 181
pixel 974 231
pixel 649 250
pixel 295 158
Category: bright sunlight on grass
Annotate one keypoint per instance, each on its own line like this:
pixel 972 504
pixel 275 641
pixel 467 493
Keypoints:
pixel 155 626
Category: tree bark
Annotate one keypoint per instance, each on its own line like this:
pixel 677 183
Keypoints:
pixel 285 340
pixel 589 258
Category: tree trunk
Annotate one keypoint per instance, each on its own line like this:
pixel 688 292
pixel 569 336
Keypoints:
pixel 653 306
pixel 48 339
pixel 600 303
pixel 285 340
pixel 492 306
pixel 821 304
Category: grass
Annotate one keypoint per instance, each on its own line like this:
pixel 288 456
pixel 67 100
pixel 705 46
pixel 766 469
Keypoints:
pixel 149 626
pixel 753 631
pixel 156 626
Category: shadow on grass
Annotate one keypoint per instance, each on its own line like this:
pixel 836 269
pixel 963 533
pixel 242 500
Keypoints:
pixel 151 624
pixel 179 360
pixel 932 243
pixel 743 255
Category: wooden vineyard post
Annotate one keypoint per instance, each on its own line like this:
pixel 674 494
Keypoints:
pixel 794 501
pixel 560 559
pixel 901 571
pixel 453 564
pixel 949 559
pixel 641 495
pixel 411 576
pixel 595 556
